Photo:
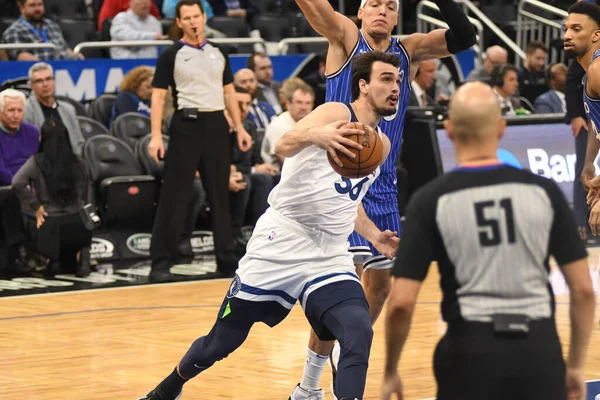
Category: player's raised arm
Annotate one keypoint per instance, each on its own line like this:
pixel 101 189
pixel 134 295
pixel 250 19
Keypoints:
pixel 338 29
pixel 443 42
pixel 323 128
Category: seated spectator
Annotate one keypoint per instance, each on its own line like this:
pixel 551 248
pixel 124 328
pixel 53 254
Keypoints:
pixel 32 27
pixel 299 100
pixel 196 203
pixel 53 187
pixel 317 81
pixel 262 175
pixel 42 105
pixel 261 112
pixel 505 84
pixel 110 8
pixel 553 101
pixel 494 55
pixel 135 93
pixel 135 24
pixel 235 8
pixel 424 81
pixel 18 141
pixel 532 77
pixel 239 197
pixel 268 89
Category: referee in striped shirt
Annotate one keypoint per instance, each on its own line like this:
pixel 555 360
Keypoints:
pixel 200 76
pixel 491 228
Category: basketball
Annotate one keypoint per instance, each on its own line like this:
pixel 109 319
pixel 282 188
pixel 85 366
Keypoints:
pixel 367 160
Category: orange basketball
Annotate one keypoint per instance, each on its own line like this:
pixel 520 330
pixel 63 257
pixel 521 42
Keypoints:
pixel 367 160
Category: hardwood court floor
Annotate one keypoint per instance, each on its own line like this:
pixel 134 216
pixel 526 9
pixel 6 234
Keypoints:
pixel 118 344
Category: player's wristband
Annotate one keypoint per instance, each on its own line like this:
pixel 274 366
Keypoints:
pixel 461 34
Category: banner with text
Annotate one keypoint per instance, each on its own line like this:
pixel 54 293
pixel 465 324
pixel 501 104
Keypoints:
pixel 88 79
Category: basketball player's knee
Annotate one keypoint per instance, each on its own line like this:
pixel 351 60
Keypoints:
pixel 358 336
pixel 221 342
pixel 378 285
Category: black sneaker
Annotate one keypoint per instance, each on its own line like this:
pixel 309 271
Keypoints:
pixel 158 394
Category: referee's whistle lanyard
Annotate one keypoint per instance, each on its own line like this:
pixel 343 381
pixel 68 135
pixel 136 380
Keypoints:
pixel 200 45
pixel 40 33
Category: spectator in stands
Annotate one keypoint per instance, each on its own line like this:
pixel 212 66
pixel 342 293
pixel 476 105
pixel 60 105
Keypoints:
pixel 53 187
pixel 424 80
pixel 257 174
pixel 245 9
pixel 553 101
pixel 317 80
pixel 505 85
pixel 135 92
pixel 532 77
pixel 42 105
pixel 261 112
pixel 4 55
pixel 18 141
pixel 110 8
pixel 299 98
pixel 136 24
pixel 268 89
pixel 494 55
pixel 32 27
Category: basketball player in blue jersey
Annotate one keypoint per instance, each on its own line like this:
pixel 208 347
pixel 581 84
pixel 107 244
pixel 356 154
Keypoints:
pixel 299 248
pixel 346 41
pixel 582 40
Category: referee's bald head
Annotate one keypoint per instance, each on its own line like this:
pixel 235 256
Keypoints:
pixel 475 115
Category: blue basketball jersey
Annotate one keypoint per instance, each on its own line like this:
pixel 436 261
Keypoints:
pixel 382 197
pixel 592 106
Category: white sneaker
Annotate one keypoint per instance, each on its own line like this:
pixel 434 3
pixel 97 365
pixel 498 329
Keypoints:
pixel 303 394
pixel 334 359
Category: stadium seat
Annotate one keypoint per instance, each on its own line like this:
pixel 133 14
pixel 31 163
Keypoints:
pixel 58 9
pixel 130 127
pixel 76 31
pixel 90 127
pixel 101 108
pixel 126 198
pixel 231 26
pixel 148 164
pixel 273 27
pixel 79 108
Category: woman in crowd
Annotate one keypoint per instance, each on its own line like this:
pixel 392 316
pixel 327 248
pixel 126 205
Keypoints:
pixel 135 92
pixel 53 186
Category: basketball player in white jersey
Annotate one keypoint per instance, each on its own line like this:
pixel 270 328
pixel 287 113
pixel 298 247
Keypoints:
pixel 299 248
pixel 346 41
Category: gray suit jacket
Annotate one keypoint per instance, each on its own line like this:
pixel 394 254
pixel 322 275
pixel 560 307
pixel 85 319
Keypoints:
pixel 548 103
pixel 34 115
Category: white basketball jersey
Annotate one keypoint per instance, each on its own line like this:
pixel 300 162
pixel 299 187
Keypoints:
pixel 313 194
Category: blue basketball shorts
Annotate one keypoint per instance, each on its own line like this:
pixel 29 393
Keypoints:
pixel 364 252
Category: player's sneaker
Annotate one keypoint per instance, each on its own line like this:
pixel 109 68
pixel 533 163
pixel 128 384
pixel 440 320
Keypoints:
pixel 159 394
pixel 334 358
pixel 303 394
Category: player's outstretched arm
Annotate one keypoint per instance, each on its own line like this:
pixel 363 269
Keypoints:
pixel 443 42
pixel 323 128
pixel 335 27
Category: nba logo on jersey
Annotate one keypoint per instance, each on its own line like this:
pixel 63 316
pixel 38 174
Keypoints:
pixel 272 235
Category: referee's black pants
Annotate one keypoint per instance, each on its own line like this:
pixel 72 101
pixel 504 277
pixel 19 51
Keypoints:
pixel 202 144
pixel 472 362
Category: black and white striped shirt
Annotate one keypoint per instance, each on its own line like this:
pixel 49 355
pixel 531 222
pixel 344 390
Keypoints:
pixel 492 231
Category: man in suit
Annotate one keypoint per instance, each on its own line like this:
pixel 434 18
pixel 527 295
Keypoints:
pixel 268 89
pixel 260 111
pixel 42 105
pixel 494 55
pixel 553 101
pixel 423 81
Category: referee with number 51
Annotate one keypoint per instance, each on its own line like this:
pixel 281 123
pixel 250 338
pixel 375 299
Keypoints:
pixel 202 82
pixel 492 229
